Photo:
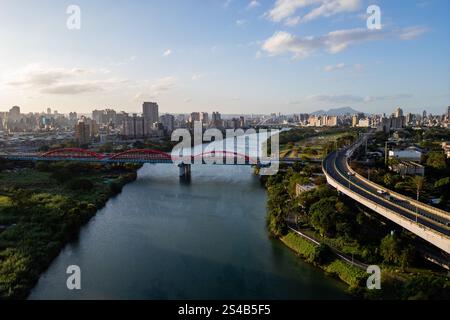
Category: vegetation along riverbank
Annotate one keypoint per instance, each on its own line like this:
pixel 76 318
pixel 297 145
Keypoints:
pixel 339 236
pixel 42 207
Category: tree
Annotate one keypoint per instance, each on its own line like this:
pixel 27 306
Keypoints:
pixel 390 249
pixel 81 184
pixel 323 216
pixel 322 254
pixel 277 208
pixel 388 180
pixel 442 182
pixel 393 251
pixel 417 182
pixel 413 184
pixel 436 160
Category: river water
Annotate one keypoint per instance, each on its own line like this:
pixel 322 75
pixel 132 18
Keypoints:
pixel 161 239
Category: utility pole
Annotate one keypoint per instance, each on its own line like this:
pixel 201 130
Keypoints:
pixel 366 146
pixel 386 155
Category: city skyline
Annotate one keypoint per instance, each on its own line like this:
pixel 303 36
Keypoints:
pixel 236 57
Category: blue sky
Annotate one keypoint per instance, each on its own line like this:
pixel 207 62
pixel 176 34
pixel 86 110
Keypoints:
pixel 237 56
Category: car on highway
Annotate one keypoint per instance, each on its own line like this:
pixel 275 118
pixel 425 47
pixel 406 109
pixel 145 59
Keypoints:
pixel 384 194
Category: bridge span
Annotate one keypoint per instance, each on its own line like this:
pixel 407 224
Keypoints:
pixel 427 222
pixel 140 156
pixel 132 156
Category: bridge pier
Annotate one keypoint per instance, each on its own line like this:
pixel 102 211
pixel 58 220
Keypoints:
pixel 185 172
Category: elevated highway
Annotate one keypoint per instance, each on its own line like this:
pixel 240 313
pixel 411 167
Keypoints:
pixel 427 222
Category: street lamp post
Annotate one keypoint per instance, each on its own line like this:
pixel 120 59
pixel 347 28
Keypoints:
pixel 350 175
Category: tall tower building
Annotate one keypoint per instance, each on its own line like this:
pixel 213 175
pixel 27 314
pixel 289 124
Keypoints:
pixel 150 112
pixel 82 133
pixel 398 113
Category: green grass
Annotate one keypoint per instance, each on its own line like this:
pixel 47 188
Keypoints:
pixel 25 179
pixel 5 202
pixel 346 272
pixel 301 246
pixel 313 143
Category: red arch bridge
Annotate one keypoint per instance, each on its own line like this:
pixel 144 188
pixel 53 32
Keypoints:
pixel 139 156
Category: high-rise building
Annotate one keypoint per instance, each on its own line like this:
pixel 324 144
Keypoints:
pixel 168 122
pixel 216 120
pixel 204 117
pixel 398 113
pixel 14 114
pixel 195 116
pixel 82 133
pixel 97 115
pixel 136 127
pixel 73 118
pixel 150 111
pixel 104 116
pixel 241 122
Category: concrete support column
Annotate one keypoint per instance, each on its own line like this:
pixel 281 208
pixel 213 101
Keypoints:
pixel 185 172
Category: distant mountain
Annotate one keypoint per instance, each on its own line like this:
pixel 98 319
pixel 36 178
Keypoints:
pixel 336 112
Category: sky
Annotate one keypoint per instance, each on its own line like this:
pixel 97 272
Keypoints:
pixel 231 56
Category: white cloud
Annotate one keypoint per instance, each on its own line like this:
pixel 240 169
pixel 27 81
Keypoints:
pixel 331 8
pixel 241 23
pixel 73 88
pixel 227 3
pixel 35 76
pixel 61 81
pixel 292 21
pixel 124 62
pixel 155 88
pixel 332 42
pixel 197 76
pixel 413 32
pixel 284 10
pixel 161 85
pixel 253 4
pixel 336 67
pixel 167 53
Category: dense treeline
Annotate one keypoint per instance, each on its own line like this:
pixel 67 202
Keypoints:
pixel 41 208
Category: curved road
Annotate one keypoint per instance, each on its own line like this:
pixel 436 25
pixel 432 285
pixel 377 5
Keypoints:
pixel 336 167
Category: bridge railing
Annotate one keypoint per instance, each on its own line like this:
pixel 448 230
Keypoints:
pixel 413 202
pixel 438 239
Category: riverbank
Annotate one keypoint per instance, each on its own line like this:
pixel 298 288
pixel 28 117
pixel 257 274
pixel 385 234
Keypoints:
pixel 343 230
pixel 350 275
pixel 42 208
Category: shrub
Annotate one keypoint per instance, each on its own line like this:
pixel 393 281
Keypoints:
pixel 81 184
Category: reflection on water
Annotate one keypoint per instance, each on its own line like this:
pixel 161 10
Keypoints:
pixel 160 239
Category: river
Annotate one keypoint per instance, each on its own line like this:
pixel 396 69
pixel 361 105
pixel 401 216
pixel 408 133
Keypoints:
pixel 160 239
